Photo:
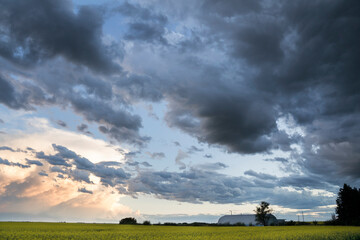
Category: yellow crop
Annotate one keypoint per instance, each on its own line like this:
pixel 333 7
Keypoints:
pixel 76 231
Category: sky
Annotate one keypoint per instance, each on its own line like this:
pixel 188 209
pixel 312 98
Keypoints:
pixel 177 111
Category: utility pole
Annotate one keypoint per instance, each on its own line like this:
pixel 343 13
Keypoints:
pixel 230 212
pixel 303 215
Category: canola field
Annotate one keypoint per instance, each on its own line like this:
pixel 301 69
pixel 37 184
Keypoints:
pixel 77 231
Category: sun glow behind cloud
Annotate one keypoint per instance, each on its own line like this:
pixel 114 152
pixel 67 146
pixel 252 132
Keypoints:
pixel 51 197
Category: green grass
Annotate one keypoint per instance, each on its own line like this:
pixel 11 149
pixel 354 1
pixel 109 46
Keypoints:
pixel 68 231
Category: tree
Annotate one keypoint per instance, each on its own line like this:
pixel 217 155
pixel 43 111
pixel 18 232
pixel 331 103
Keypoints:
pixel 262 213
pixel 348 205
pixel 128 220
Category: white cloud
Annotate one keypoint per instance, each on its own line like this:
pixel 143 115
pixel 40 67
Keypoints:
pixel 40 135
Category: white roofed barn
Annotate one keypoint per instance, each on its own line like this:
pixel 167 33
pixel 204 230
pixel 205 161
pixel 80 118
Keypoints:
pixel 247 219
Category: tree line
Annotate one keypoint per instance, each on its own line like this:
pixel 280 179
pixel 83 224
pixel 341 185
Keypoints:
pixel 348 206
pixel 347 211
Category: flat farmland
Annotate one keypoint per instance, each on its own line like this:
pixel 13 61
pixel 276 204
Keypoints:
pixel 68 231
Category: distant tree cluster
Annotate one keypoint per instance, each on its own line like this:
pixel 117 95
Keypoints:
pixel 128 220
pixel 132 221
pixel 146 222
pixel 348 206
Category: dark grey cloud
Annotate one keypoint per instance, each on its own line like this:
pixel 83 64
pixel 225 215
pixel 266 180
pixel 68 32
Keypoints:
pixel 61 123
pixel 7 93
pixel 224 117
pixel 212 166
pixel 263 176
pixel 43 174
pixel 84 190
pixel 197 186
pixel 133 163
pixel 15 164
pixel 262 40
pixel 194 149
pixel 295 58
pixel 144 24
pixel 137 164
pixel 259 43
pixel 83 128
pixel 306 181
pixel 132 154
pixel 37 30
pixel 65 153
pixel 163 185
pixel 231 8
pixel 208 156
pixel 60 176
pixel 34 162
pixel 137 87
pixel 110 163
pixel 30 149
pixel 80 176
pixel 146 164
pixel 65 158
pixel 111 176
pixel 9 96
pixel 121 125
pixel 6 148
pixel 34 49
pixel 277 159
pixel 334 160
pixel 53 159
pixel 57 169
pixel 1 121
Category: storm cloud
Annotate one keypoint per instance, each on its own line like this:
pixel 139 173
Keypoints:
pixel 277 60
pixel 144 24
pixel 46 53
pixel 53 30
pixel 64 157
pixel 197 186
pixel 250 78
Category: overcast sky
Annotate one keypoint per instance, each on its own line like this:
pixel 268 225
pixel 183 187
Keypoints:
pixel 177 110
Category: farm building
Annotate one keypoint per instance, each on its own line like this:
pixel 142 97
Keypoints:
pixel 247 219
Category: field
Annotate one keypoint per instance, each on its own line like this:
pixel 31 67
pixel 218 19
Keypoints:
pixel 68 231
